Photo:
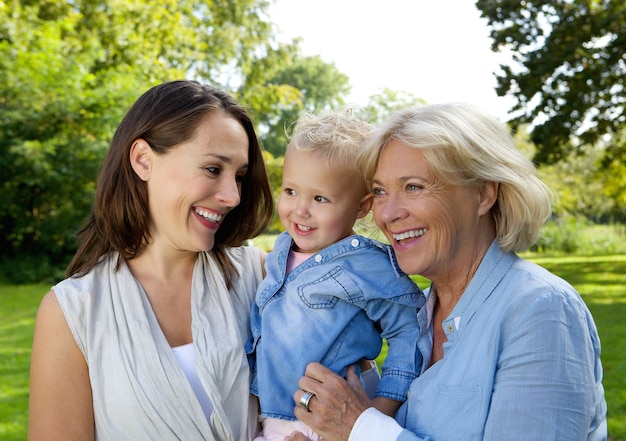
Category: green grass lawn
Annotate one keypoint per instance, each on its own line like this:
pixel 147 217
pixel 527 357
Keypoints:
pixel 18 305
pixel 600 280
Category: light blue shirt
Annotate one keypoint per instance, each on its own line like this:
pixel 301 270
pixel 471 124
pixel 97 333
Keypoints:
pixel 334 308
pixel 522 362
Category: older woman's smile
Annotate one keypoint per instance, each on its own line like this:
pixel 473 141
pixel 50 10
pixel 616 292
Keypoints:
pixel 408 234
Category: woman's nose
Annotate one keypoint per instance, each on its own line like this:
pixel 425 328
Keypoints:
pixel 389 210
pixel 230 192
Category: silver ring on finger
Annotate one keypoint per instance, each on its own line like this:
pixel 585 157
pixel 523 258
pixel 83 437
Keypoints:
pixel 305 399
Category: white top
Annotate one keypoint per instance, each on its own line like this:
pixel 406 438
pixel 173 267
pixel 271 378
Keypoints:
pixel 186 356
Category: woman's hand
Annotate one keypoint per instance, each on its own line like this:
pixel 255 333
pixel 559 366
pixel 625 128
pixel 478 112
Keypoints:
pixel 336 405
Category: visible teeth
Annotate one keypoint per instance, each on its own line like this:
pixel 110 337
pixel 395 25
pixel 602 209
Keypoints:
pixel 209 216
pixel 304 227
pixel 412 233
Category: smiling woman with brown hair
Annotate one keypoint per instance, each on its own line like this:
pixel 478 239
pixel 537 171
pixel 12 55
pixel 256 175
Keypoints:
pixel 145 338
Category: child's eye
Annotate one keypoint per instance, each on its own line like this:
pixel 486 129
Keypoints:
pixel 289 191
pixel 321 199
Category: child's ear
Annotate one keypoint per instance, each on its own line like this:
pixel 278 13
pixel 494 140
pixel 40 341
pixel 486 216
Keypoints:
pixel 141 159
pixel 365 205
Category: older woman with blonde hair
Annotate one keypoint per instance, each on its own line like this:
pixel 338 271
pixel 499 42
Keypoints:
pixel 510 351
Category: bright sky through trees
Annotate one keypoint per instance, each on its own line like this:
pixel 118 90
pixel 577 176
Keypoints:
pixel 436 50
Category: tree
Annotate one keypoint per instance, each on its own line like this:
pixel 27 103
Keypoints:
pixel 55 124
pixel 312 85
pixel 578 186
pixel 274 168
pixel 387 101
pixel 579 183
pixel 69 69
pixel 568 71
pixel 613 176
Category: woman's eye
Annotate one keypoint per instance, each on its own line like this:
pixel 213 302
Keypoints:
pixel 215 171
pixel 376 191
pixel 413 187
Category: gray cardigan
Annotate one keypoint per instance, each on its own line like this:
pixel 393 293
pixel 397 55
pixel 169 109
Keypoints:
pixel 139 390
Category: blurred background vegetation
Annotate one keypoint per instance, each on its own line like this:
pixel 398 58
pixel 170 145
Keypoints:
pixel 69 70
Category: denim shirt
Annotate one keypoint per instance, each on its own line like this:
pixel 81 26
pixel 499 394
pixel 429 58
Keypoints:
pixel 522 362
pixel 334 308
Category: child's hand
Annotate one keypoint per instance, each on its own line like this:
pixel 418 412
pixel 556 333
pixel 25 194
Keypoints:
pixel 296 436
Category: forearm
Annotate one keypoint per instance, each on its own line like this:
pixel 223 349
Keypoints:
pixel 386 405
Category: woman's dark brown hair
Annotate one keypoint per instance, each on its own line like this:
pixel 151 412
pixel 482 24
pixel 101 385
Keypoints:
pixel 165 116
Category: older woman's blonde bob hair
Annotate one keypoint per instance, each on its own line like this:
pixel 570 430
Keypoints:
pixel 466 146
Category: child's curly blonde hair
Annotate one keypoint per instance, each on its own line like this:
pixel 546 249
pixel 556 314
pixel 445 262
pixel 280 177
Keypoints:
pixel 338 136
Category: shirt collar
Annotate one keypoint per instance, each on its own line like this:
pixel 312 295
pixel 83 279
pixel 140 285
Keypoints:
pixel 494 266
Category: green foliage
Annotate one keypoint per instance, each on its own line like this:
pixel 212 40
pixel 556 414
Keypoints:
pixel 614 176
pixel 568 69
pixel 577 235
pixel 560 236
pixel 32 268
pixel 274 167
pixel 69 70
pixel 48 133
pixel 580 187
pixel 316 86
pixel 265 242
pixel 387 101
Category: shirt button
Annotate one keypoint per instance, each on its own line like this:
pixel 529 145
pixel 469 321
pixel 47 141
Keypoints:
pixel 318 258
pixel 355 243
pixel 450 328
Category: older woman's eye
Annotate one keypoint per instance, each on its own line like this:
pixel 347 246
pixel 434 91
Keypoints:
pixel 413 187
pixel 377 191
